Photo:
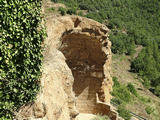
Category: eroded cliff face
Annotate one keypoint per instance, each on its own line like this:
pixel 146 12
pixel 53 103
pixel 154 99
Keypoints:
pixel 76 71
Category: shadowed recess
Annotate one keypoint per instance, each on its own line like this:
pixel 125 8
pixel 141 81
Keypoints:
pixel 85 58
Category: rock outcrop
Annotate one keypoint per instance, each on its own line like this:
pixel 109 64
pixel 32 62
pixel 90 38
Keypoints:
pixel 76 71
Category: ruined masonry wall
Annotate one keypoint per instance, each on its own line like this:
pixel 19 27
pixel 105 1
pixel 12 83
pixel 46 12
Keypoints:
pixel 58 97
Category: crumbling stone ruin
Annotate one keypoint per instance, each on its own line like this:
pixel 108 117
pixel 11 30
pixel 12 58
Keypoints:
pixel 76 71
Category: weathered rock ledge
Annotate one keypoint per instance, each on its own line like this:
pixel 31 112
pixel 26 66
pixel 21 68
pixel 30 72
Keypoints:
pixel 76 71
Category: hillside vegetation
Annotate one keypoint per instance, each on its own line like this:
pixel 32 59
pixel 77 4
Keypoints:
pixel 132 23
pixel 140 101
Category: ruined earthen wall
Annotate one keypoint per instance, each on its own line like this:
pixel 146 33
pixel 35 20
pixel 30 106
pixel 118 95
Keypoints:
pixel 59 98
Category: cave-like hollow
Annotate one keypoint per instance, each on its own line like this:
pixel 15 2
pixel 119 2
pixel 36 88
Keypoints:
pixel 85 58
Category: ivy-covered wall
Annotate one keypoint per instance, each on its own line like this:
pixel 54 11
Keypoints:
pixel 21 36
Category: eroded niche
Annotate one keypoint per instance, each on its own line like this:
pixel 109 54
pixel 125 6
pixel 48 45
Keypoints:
pixel 85 58
pixel 76 71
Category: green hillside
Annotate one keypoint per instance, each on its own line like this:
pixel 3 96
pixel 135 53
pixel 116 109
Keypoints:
pixel 132 23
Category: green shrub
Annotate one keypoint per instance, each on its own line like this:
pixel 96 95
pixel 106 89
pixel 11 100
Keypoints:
pixel 80 13
pixel 21 36
pixel 132 89
pixel 122 93
pixel 149 110
pixel 157 90
pixel 62 11
pixel 115 81
pixel 146 82
pixel 124 113
pixel 144 99
pixel 71 11
pixel 116 101
pixel 51 9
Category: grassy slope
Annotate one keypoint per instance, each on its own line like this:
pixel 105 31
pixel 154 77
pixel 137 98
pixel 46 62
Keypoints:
pixel 120 68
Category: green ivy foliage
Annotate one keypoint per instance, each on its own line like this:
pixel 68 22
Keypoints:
pixel 21 36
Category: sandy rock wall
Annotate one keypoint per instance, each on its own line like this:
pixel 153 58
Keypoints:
pixel 76 69
pixel 85 58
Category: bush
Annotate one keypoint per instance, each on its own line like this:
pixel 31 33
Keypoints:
pixel 51 9
pixel 122 93
pixel 116 83
pixel 132 89
pixel 146 82
pixel 62 11
pixel 21 36
pixel 80 13
pixel 124 113
pixel 149 110
pixel 157 90
pixel 144 99
pixel 71 11
pixel 116 101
